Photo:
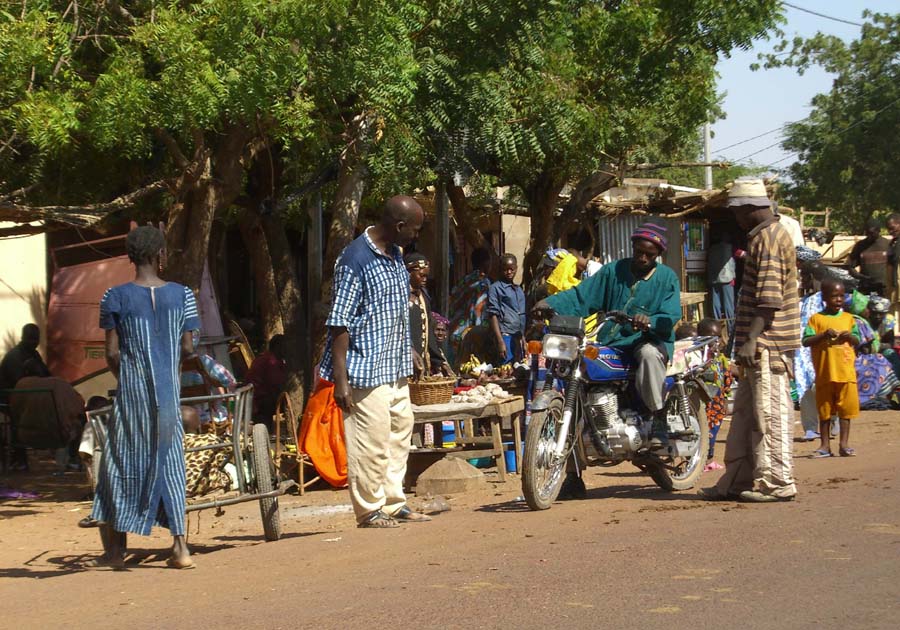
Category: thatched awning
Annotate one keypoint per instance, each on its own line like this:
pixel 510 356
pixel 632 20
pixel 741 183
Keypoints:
pixel 658 197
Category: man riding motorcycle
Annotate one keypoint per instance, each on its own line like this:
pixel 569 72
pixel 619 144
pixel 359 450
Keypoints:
pixel 647 291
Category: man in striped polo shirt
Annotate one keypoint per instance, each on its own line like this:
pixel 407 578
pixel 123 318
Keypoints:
pixel 758 454
pixel 368 357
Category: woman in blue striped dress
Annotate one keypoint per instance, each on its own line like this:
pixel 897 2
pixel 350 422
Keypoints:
pixel 148 326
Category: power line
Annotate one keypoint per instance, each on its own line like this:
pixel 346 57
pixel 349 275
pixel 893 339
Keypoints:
pixel 821 15
pixel 737 144
pixel 765 148
pixel 841 132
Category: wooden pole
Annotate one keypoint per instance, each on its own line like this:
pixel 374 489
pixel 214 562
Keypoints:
pixel 442 248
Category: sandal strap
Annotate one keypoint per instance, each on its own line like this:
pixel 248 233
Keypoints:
pixel 377 519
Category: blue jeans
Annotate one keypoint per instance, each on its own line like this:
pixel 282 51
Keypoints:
pixel 513 348
pixel 723 301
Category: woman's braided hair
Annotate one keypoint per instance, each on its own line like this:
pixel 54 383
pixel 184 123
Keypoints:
pixel 144 244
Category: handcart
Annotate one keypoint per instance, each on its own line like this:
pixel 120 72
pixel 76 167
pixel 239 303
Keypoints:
pixel 257 477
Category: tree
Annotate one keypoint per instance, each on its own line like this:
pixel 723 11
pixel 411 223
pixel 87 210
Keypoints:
pixel 578 88
pixel 846 149
pixel 215 103
pixel 187 94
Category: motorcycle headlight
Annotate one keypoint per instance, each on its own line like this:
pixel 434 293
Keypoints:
pixel 562 347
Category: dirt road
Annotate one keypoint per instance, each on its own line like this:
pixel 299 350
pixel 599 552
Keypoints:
pixel 630 556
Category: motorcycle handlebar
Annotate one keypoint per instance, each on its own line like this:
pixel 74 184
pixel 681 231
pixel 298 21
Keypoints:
pixel 619 317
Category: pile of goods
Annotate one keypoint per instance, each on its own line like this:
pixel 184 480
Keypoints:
pixel 482 394
pixel 474 372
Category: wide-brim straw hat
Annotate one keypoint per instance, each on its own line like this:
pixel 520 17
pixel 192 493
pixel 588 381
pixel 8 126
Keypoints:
pixel 748 192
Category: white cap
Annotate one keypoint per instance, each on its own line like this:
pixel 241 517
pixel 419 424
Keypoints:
pixel 748 192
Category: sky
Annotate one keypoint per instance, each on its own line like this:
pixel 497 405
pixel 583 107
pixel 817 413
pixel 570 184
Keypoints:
pixel 760 101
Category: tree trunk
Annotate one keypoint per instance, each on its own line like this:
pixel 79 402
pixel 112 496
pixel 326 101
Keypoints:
pixel 585 191
pixel 214 186
pixel 344 215
pixel 463 212
pixel 263 273
pixel 291 308
pixel 543 197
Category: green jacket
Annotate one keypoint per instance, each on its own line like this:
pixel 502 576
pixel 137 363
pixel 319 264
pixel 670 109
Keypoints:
pixel 615 288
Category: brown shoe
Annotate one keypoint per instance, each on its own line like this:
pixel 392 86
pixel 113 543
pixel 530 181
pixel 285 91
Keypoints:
pixel 408 516
pixel 712 494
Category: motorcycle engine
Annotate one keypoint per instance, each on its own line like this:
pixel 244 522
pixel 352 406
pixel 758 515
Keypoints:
pixel 620 428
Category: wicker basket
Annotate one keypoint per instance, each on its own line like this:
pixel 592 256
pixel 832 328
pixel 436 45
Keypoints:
pixel 432 392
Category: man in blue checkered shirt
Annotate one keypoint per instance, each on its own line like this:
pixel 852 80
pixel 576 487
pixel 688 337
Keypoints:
pixel 369 357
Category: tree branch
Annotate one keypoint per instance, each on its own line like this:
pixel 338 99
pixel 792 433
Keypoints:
pixel 659 165
pixel 85 215
pixel 584 192
pixel 17 193
pixel 172 146
pixel 118 9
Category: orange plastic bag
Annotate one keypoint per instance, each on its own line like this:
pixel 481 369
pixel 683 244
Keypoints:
pixel 322 435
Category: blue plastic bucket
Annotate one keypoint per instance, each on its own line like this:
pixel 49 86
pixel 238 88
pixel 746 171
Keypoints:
pixel 509 452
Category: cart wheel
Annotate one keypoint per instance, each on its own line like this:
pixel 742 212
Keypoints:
pixel 264 471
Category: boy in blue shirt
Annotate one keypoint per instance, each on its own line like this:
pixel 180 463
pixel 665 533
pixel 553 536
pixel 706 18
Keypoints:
pixel 506 311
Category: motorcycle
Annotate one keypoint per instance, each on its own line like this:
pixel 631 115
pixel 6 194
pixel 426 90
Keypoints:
pixel 595 417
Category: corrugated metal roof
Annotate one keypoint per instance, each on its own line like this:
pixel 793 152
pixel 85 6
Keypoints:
pixel 614 235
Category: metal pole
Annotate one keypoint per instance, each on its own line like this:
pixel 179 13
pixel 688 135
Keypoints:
pixel 442 249
pixel 707 170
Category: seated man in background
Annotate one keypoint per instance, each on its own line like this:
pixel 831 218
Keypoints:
pixel 50 419
pixel 12 368
pixel 268 374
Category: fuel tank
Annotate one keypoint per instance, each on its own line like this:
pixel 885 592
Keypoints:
pixel 611 364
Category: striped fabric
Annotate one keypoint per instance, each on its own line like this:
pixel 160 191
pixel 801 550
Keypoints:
pixel 371 300
pixel 142 477
pixel 759 449
pixel 770 281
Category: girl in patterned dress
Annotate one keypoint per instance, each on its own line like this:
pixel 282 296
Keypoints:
pixel 717 408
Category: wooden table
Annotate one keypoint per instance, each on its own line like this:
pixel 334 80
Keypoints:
pixel 501 414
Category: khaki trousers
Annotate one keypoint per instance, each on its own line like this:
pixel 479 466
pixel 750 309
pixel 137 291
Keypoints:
pixel 378 433
pixel 759 450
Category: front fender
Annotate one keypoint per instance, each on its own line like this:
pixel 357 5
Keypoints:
pixel 543 400
pixel 703 390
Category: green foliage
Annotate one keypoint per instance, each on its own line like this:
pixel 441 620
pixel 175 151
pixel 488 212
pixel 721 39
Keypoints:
pixel 550 91
pixel 847 157
pixel 514 90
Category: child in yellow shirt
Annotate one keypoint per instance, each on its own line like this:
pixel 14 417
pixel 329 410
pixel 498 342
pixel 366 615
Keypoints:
pixel 832 335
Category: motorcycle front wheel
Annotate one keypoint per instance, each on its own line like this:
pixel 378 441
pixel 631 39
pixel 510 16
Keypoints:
pixel 542 475
pixel 689 469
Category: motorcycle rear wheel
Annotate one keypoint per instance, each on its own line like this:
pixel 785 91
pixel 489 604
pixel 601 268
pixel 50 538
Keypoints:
pixel 542 477
pixel 693 468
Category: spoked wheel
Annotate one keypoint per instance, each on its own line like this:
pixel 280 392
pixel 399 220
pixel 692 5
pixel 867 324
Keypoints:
pixel 264 472
pixel 542 473
pixel 687 469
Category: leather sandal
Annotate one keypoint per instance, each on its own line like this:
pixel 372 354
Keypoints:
pixel 378 520
pixel 406 515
